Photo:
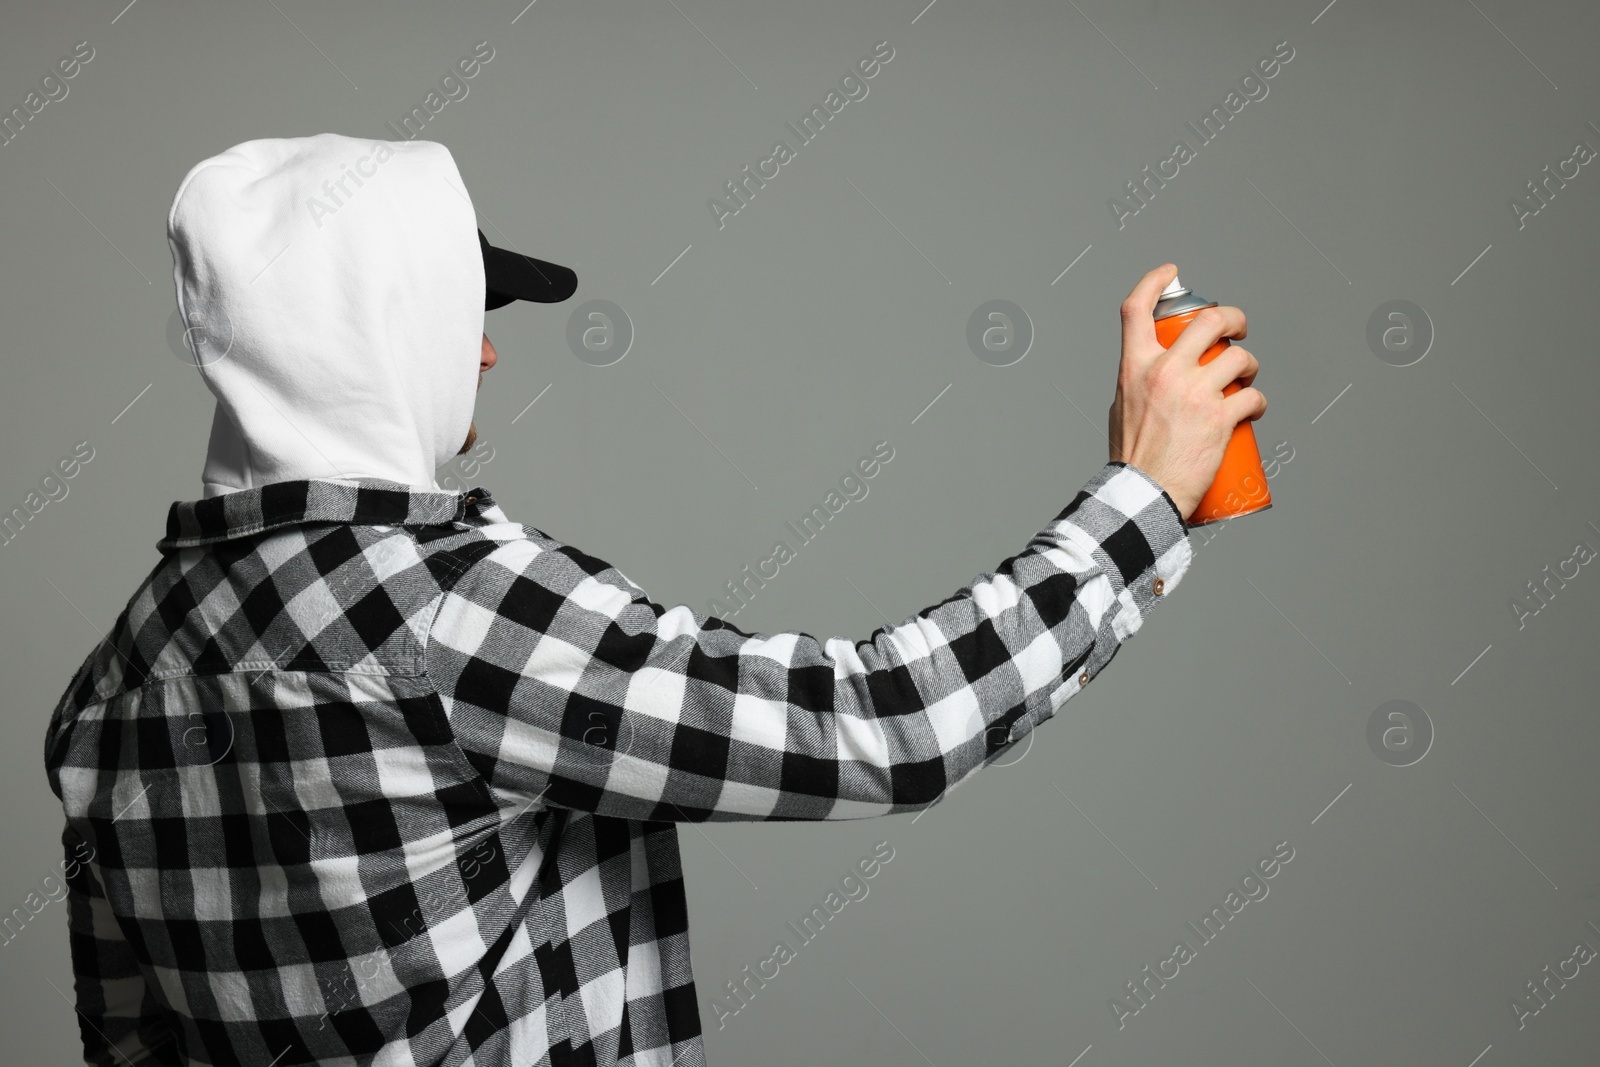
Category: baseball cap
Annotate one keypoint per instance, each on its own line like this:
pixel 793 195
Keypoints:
pixel 512 276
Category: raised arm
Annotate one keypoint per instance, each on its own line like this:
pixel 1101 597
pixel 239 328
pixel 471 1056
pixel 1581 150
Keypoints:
pixel 566 680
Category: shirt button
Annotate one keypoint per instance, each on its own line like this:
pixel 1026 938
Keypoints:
pixel 1083 679
pixel 1158 587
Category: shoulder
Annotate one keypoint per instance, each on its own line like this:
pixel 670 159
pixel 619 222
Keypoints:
pixel 497 554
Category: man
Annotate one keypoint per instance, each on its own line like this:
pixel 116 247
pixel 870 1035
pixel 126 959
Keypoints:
pixel 367 773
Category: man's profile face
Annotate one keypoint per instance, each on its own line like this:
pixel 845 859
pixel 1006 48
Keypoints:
pixel 485 361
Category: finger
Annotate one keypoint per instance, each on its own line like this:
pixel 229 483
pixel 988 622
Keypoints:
pixel 1244 325
pixel 1207 328
pixel 1247 403
pixel 1138 327
pixel 1232 364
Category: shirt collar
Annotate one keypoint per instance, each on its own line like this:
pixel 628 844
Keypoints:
pixel 359 501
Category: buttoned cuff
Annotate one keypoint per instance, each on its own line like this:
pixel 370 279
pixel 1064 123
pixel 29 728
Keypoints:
pixel 1142 543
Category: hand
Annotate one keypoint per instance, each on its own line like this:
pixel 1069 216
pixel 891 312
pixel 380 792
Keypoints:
pixel 1169 418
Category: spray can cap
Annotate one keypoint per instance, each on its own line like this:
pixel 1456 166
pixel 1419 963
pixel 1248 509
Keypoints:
pixel 1177 298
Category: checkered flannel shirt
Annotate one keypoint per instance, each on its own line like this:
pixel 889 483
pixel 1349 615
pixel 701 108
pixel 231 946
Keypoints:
pixel 366 774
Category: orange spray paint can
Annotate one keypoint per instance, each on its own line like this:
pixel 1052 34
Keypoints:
pixel 1240 487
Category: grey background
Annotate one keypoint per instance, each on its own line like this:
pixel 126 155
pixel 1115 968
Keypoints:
pixel 809 328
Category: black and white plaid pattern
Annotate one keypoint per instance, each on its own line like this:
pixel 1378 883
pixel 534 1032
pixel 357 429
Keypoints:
pixel 373 775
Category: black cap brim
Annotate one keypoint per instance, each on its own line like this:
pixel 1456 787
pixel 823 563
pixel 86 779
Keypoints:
pixel 512 276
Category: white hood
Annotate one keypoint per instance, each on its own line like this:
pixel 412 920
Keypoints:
pixel 334 288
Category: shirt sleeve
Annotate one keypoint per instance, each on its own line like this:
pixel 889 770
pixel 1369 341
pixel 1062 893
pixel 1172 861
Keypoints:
pixel 119 1021
pixel 564 682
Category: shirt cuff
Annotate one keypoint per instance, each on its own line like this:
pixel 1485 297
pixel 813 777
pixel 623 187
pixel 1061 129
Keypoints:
pixel 1157 487
pixel 1142 541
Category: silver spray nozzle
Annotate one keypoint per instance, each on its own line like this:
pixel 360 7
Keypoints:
pixel 1176 299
